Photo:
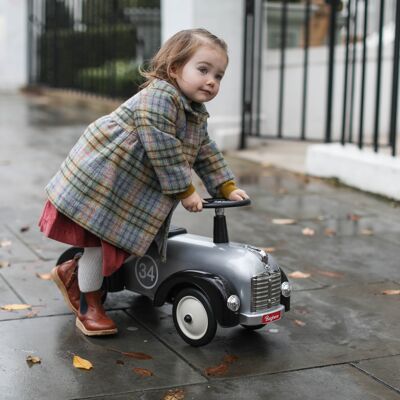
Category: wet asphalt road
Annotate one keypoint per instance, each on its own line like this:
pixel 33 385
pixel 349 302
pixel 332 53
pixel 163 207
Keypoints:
pixel 341 339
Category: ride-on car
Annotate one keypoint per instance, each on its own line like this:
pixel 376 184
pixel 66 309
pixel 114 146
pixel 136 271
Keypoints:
pixel 208 281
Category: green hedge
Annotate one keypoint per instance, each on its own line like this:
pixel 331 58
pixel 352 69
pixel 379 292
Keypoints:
pixel 63 53
pixel 118 78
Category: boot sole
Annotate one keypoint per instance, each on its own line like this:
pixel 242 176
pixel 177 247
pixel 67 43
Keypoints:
pixel 63 290
pixel 103 332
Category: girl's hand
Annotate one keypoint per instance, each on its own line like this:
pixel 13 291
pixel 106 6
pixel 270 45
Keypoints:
pixel 238 195
pixel 193 203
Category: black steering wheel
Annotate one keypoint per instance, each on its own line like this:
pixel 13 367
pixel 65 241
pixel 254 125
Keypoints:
pixel 223 203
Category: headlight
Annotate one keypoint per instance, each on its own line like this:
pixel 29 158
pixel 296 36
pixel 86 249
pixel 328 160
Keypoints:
pixel 233 302
pixel 286 289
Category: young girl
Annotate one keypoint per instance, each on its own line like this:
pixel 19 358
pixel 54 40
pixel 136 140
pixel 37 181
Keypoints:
pixel 116 191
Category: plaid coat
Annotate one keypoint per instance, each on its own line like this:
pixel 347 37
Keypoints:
pixel 120 178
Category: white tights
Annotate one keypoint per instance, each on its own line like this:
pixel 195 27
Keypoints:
pixel 90 276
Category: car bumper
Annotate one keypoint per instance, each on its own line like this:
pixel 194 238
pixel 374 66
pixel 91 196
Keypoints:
pixel 265 317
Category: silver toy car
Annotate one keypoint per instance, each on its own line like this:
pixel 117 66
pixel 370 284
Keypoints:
pixel 207 280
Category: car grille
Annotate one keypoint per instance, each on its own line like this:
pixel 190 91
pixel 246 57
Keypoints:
pixel 265 291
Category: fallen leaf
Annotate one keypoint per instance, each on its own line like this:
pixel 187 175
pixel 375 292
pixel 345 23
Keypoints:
pixel 5 243
pixel 308 232
pixel 283 221
pixel 299 323
pixel 15 307
pixel 4 263
pixel 32 314
pixel 269 249
pixel 353 217
pixel 24 228
pixel 329 232
pixel 367 232
pixel 45 277
pixel 120 362
pixel 331 274
pixel 81 363
pixel 142 371
pixel 391 292
pixel 299 275
pixel 137 356
pixel 33 360
pixel 230 358
pixel 218 370
pixel 177 394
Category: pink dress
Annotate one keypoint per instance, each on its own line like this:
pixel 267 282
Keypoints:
pixel 57 226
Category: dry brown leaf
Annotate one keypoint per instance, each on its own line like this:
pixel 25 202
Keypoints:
pixel 353 217
pixel 81 363
pixel 142 371
pixel 220 369
pixel 269 249
pixel 33 360
pixel 119 362
pixel 15 307
pixel 137 356
pixel 299 323
pixel 308 232
pixel 331 274
pixel 177 394
pixel 283 221
pixel 32 314
pixel 299 275
pixel 367 232
pixel 45 277
pixel 5 243
pixel 4 263
pixel 391 292
pixel 329 232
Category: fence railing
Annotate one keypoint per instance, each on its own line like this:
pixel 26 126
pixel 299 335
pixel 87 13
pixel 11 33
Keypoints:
pixel 93 46
pixel 329 70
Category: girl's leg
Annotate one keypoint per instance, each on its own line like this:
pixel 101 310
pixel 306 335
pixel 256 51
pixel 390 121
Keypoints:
pixel 92 319
pixel 90 277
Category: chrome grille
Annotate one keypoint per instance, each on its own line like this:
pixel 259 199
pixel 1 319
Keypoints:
pixel 265 291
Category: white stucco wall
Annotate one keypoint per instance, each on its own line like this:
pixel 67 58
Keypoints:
pixel 373 172
pixel 13 44
pixel 225 19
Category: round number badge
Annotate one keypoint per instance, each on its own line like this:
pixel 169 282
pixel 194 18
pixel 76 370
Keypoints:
pixel 146 272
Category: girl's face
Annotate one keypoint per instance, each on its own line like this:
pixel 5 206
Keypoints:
pixel 199 79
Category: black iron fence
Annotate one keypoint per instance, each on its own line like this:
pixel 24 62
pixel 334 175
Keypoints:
pixel 93 46
pixel 328 73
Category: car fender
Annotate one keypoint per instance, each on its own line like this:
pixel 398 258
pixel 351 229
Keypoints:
pixel 215 287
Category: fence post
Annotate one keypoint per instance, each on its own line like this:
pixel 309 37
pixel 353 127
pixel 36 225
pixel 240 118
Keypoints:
pixel 331 63
pixel 395 82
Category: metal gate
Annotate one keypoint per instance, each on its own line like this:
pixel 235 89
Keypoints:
pixel 93 46
pixel 357 64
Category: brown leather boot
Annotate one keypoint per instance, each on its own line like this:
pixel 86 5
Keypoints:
pixel 65 276
pixel 92 319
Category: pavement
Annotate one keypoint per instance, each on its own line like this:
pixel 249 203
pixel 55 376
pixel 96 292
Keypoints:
pixel 341 339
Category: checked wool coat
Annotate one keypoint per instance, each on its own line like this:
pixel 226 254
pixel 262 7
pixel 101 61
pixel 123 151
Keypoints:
pixel 121 178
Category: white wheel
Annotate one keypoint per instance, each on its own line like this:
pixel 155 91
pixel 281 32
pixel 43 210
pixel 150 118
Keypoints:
pixel 193 317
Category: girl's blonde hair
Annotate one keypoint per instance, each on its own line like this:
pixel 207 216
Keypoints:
pixel 177 50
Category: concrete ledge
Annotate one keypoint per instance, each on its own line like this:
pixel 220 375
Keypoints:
pixel 363 169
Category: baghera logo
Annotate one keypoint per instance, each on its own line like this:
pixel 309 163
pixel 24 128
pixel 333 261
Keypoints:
pixel 267 318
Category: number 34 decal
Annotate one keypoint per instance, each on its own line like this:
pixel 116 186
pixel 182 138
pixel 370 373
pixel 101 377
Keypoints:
pixel 146 272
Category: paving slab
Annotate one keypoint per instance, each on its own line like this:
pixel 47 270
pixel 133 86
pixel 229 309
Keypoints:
pixel 336 382
pixel 313 334
pixel 386 370
pixel 56 340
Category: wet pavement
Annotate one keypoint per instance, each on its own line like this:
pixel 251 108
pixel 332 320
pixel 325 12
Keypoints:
pixel 341 339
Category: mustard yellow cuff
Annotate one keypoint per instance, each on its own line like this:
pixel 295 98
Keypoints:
pixel 190 190
pixel 227 188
